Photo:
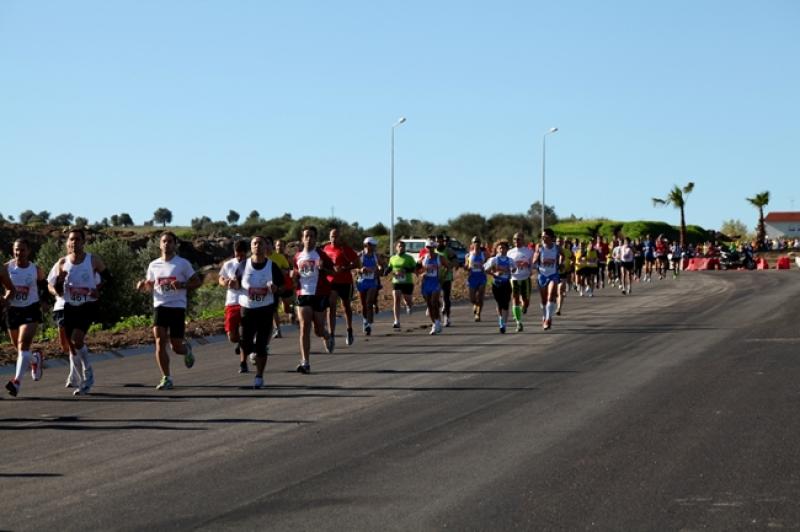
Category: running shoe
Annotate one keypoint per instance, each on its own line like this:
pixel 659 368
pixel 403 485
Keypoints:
pixel 243 367
pixel 519 326
pixel 447 321
pixel 558 312
pixel 36 365
pixel 330 343
pixel 364 325
pixel 368 329
pixel 477 317
pixel 502 329
pixel 304 368
pixel 88 379
pixel 13 387
pixel 438 326
pixel 80 390
pixel 396 325
pixel 433 329
pixel 524 310
pixel 350 339
pixel 258 382
pixel 277 333
pixel 547 324
pixel 408 310
pixel 188 358
pixel 165 384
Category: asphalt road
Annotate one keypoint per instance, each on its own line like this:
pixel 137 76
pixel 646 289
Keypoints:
pixel 674 408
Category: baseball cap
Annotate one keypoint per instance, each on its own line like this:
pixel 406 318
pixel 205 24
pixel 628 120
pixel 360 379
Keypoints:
pixel 371 241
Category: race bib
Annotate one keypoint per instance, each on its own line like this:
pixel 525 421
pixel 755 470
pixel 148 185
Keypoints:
pixel 257 294
pixel 79 294
pixel 21 293
pixel 306 268
pixel 368 275
pixel 521 266
pixel 400 276
pixel 432 270
pixel 165 284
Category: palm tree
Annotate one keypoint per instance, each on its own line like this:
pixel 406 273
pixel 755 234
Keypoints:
pixel 677 198
pixel 759 201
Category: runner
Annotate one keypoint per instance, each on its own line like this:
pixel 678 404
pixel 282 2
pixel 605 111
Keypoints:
pixel 548 259
pixel 662 262
pixel 499 267
pixel 566 272
pixel 443 248
pixel 522 257
pixel 310 268
pixel 345 260
pixel 602 260
pixel 582 268
pixel 261 280
pixel 76 282
pixel 649 258
pixel 476 279
pixel 401 266
pixel 169 277
pixel 677 254
pixel 230 276
pixel 433 267
pixel 626 258
pixel 638 260
pixel 285 295
pixel 367 283
pixel 25 311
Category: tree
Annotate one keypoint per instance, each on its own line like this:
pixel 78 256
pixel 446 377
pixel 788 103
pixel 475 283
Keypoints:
pixel 62 220
pixel 535 213
pixel 44 216
pixel 253 218
pixel 677 198
pixel 465 226
pixel 759 201
pixel 233 217
pixel 162 216
pixel 125 220
pixel 199 223
pixel 733 228
pixel 377 230
pixel 25 216
pixel 114 220
pixel 80 221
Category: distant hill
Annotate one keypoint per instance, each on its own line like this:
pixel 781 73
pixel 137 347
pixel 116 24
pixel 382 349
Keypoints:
pixel 635 229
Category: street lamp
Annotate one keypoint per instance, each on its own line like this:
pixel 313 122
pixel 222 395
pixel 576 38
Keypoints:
pixel 544 137
pixel 399 122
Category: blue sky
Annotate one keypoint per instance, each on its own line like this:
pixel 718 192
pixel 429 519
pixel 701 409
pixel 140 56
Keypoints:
pixel 202 107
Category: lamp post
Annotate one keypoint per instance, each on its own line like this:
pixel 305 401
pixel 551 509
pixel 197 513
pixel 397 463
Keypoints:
pixel 544 138
pixel 399 122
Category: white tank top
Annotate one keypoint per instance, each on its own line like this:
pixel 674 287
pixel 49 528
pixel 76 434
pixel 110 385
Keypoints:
pixel 24 281
pixel 626 253
pixel 548 260
pixel 80 282
pixel 256 286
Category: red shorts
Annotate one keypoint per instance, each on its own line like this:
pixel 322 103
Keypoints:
pixel 233 317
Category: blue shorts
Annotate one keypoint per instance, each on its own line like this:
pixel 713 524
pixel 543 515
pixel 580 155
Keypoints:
pixel 430 285
pixel 476 280
pixel 544 280
pixel 366 284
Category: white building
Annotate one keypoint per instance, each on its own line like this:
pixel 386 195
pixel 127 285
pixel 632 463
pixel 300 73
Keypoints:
pixel 782 225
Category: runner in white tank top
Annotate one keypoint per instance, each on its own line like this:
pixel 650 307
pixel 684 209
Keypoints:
pixel 25 313
pixel 548 258
pixel 76 282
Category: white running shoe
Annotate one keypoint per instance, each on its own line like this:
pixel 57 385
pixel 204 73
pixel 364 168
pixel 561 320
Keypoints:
pixel 433 330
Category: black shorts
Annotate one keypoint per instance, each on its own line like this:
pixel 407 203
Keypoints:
pixel 628 266
pixel 172 318
pixel 345 290
pixel 317 303
pixel 58 318
pixel 405 288
pixel 79 317
pixel 16 317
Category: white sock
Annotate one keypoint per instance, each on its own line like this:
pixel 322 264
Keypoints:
pixel 74 375
pixel 544 310
pixel 83 354
pixel 550 309
pixel 23 360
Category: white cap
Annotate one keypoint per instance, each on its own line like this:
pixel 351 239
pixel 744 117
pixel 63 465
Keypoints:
pixel 371 240
pixel 432 244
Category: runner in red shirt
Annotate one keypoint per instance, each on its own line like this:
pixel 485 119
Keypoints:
pixel 345 260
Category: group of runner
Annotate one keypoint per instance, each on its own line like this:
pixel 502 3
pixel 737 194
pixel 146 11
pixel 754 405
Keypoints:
pixel 308 287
